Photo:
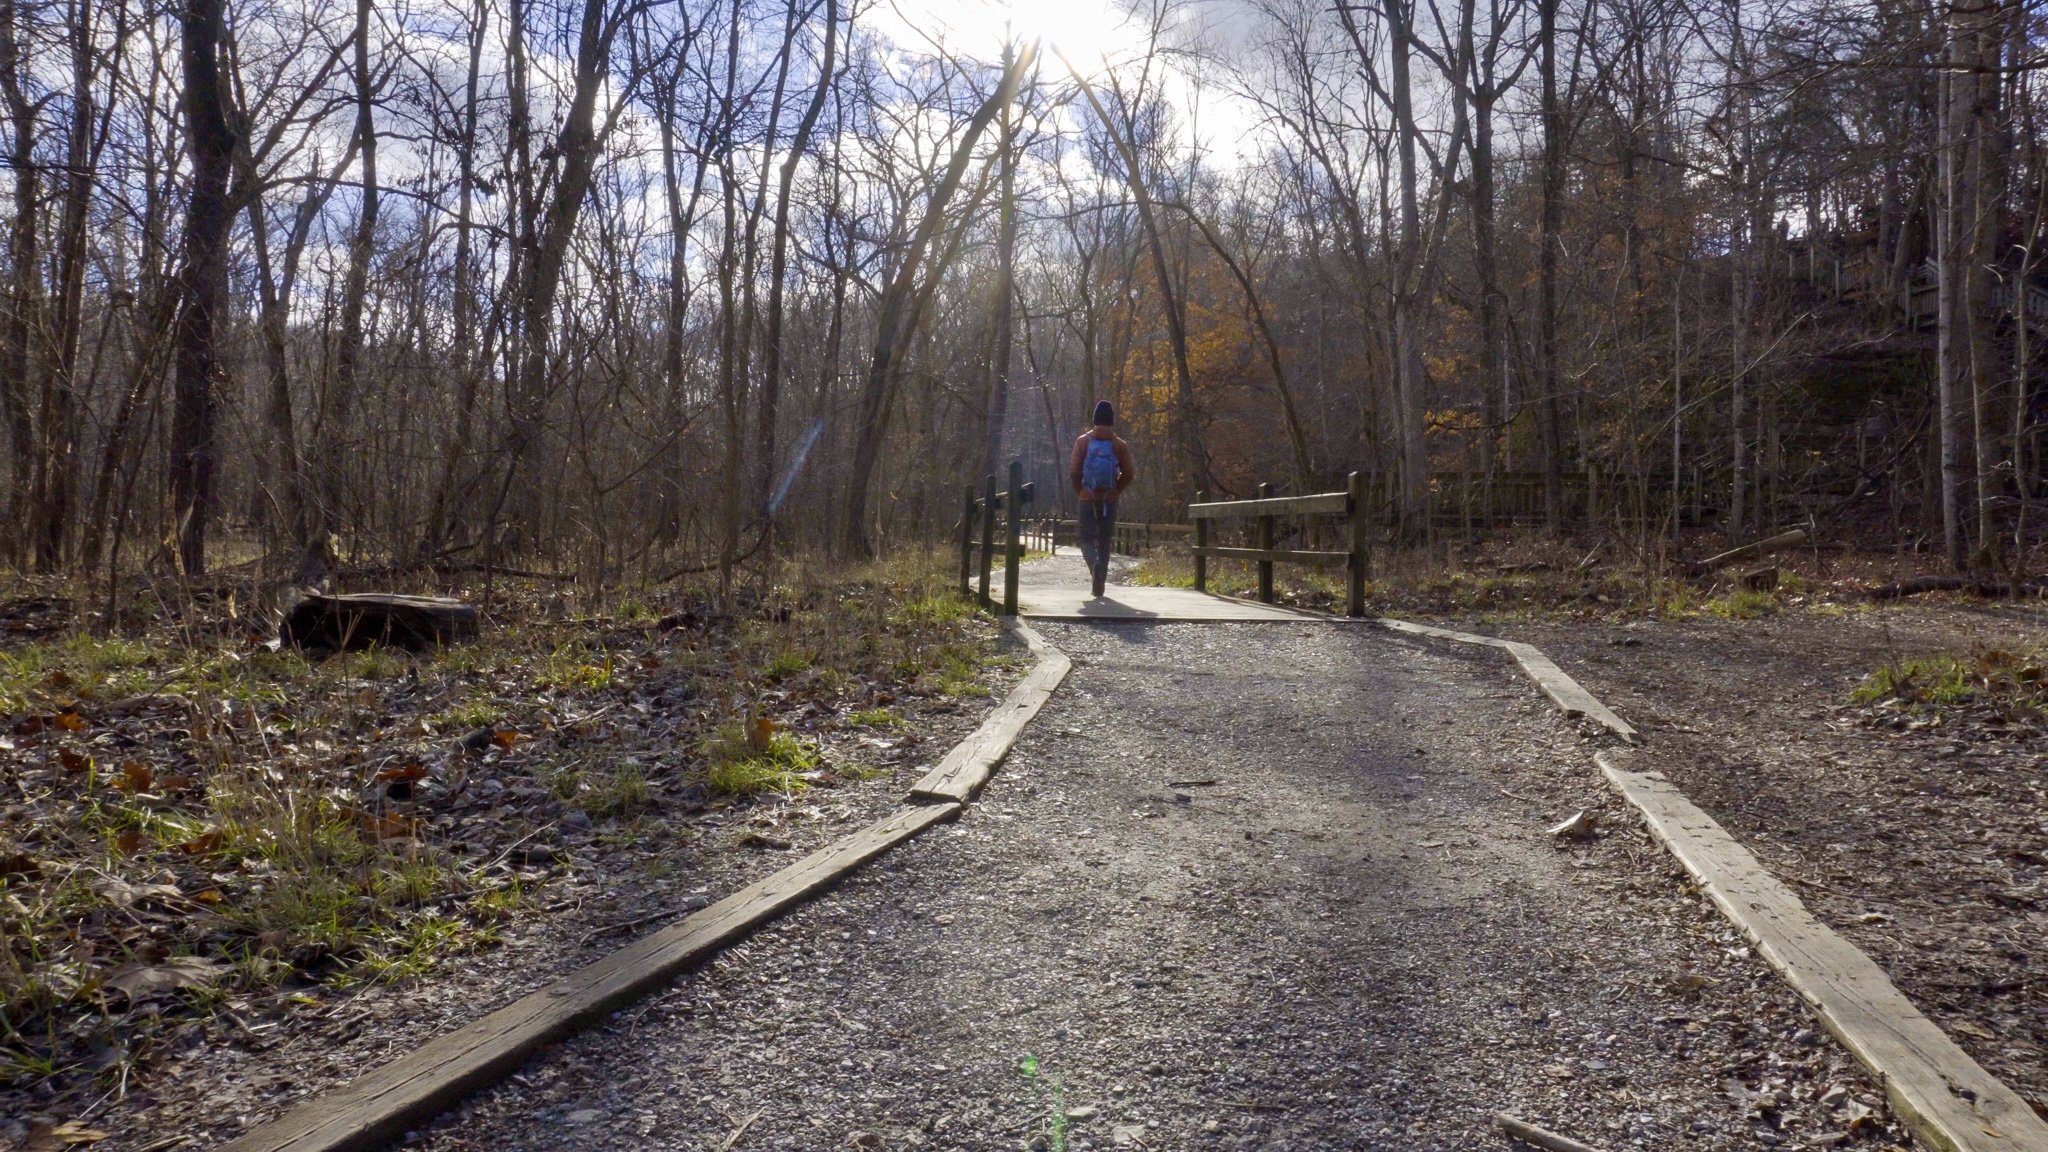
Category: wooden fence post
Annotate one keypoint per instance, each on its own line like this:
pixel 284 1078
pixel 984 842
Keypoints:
pixel 1010 550
pixel 1266 545
pixel 1201 542
pixel 967 545
pixel 1356 565
pixel 988 534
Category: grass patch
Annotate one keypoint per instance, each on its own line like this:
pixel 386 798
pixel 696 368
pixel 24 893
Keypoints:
pixel 933 610
pixel 468 715
pixel 619 793
pixel 2012 684
pixel 1741 604
pixel 744 766
pixel 574 666
pixel 875 718
pixel 956 671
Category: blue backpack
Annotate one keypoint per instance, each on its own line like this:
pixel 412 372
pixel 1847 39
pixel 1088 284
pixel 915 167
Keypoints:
pixel 1099 467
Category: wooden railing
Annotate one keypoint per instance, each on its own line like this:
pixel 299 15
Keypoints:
pixel 1048 533
pixel 982 511
pixel 1265 512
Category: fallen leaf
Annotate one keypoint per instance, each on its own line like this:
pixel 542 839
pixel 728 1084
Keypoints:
pixel 69 721
pixel 29 726
pixel 73 761
pixel 505 738
pixel 121 893
pixel 1971 1028
pixel 140 981
pixel 760 732
pixel 136 776
pixel 58 681
pixel 202 844
pixel 128 843
pixel 208 896
pixel 48 1138
pixel 385 827
pixel 1579 827
pixel 176 783
pixel 402 772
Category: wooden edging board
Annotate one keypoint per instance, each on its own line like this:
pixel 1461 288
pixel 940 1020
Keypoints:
pixel 379 1106
pixel 970 763
pixel 1948 1099
pixel 1565 692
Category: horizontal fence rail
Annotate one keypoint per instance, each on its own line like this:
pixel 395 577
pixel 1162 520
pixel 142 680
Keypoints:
pixel 1322 502
pixel 1264 511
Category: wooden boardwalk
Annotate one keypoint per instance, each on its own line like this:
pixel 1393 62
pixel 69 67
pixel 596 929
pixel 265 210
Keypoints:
pixel 1057 589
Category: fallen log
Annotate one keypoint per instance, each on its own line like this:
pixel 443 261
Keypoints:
pixel 1989 589
pixel 378 619
pixel 1748 551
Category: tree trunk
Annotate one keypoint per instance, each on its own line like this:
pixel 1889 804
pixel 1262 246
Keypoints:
pixel 1194 461
pixel 873 412
pixel 57 464
pixel 339 397
pixel 576 148
pixel 1408 282
pixel 469 362
pixel 204 280
pixel 1549 416
pixel 998 410
pixel 1957 197
pixel 772 352
pixel 1986 224
pixel 19 324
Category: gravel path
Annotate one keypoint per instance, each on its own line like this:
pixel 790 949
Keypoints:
pixel 1359 935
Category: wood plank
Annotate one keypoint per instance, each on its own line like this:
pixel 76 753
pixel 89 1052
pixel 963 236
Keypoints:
pixel 1948 1099
pixel 379 1106
pixel 1570 697
pixel 1565 692
pixel 1280 554
pixel 1413 629
pixel 970 763
pixel 1321 502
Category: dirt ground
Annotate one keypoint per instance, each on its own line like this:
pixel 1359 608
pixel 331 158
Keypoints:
pixel 1240 886
pixel 1922 837
pixel 513 821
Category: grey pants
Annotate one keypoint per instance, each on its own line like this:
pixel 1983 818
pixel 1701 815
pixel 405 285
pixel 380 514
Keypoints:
pixel 1097 533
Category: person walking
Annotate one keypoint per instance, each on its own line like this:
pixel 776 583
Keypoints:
pixel 1100 472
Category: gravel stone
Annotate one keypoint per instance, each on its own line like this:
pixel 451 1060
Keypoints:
pixel 1341 944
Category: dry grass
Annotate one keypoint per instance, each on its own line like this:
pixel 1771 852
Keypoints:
pixel 199 822
pixel 1507 582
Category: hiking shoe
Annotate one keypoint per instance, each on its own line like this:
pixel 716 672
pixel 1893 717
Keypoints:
pixel 1099 581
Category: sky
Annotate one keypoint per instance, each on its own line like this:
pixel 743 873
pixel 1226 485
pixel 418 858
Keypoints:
pixel 1094 35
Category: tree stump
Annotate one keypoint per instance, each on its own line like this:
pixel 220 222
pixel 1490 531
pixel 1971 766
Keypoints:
pixel 378 619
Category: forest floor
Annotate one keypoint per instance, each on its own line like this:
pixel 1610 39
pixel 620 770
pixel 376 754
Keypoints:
pixel 1258 886
pixel 1262 886
pixel 234 875
pixel 1889 760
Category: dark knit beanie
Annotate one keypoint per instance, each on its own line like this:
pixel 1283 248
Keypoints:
pixel 1104 414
